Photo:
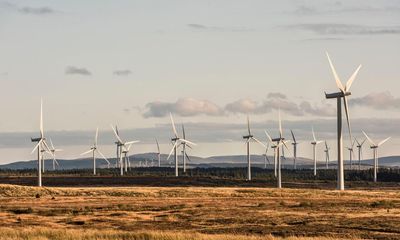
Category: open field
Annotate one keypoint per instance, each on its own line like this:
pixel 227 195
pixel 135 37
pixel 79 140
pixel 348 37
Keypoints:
pixel 197 213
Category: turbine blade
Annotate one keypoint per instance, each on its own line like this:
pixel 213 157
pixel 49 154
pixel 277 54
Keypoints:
pixel 102 155
pixel 248 124
pixel 173 125
pixel 172 150
pixel 51 144
pixel 337 79
pixel 383 141
pixel 158 146
pixel 346 108
pixel 351 79
pixel 183 132
pixel 294 139
pixel 369 139
pixel 96 136
pixel 41 118
pixel 131 142
pixel 255 139
pixel 268 136
pixel 84 153
pixel 280 123
pixel 186 141
pixel 37 145
pixel 116 134
pixel 313 134
pixel 47 147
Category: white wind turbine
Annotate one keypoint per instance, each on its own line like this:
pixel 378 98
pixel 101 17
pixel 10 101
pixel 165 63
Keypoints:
pixel 158 153
pixel 266 155
pixel 351 154
pixel 53 151
pixel 294 143
pixel 122 147
pixel 314 143
pixel 184 145
pixel 359 146
pixel 273 146
pixel 374 148
pixel 326 155
pixel 40 140
pixel 126 158
pixel 248 138
pixel 280 141
pixel 176 140
pixel 94 149
pixel 344 91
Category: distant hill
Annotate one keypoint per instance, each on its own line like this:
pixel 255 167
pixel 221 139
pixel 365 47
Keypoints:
pixel 146 159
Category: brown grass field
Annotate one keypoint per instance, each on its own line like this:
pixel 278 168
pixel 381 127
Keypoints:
pixel 197 213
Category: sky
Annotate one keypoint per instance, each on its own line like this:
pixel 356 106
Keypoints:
pixel 209 63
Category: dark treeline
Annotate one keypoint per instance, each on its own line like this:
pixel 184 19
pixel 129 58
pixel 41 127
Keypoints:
pixel 384 174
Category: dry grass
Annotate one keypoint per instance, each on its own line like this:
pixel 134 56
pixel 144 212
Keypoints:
pixel 197 213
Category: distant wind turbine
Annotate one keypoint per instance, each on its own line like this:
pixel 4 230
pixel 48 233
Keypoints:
pixel 53 150
pixel 273 146
pixel 314 143
pixel 344 91
pixel 374 148
pixel 40 140
pixel 351 154
pixel 359 146
pixel 176 140
pixel 184 145
pixel 158 153
pixel 326 155
pixel 249 137
pixel 94 149
pixel 294 143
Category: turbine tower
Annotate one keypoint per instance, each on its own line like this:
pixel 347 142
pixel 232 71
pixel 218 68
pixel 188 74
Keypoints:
pixel 374 148
pixel 122 147
pixel 158 153
pixel 176 140
pixel 94 149
pixel 294 143
pixel 248 138
pixel 326 155
pixel 359 146
pixel 40 140
pixel 53 151
pixel 343 93
pixel 314 143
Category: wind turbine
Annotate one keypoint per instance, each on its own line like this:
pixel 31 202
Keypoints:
pixel 176 140
pixel 53 151
pixel 294 143
pixel 326 155
pixel 184 144
pixel 126 157
pixel 94 149
pixel 158 153
pixel 40 140
pixel 359 146
pixel 122 147
pixel 273 146
pixel 266 156
pixel 248 138
pixel 280 141
pixel 351 152
pixel 117 143
pixel 314 143
pixel 344 91
pixel 374 148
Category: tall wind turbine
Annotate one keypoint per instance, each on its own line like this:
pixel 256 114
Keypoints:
pixel 344 91
pixel 374 148
pixel 94 149
pixel 40 140
pixel 326 155
pixel 184 145
pixel 359 146
pixel 53 151
pixel 158 153
pixel 176 140
pixel 351 152
pixel 122 146
pixel 273 146
pixel 314 143
pixel 280 141
pixel 294 143
pixel 249 137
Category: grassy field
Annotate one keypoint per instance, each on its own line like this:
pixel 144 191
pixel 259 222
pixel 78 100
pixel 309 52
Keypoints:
pixel 197 213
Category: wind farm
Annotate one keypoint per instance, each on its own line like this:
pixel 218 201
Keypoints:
pixel 163 120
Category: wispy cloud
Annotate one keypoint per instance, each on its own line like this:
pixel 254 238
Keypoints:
pixel 377 100
pixel 71 70
pixel 124 72
pixel 273 101
pixel 44 10
pixel 201 27
pixel 183 107
pixel 345 29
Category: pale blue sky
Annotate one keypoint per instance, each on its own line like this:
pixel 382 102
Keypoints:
pixel 101 62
